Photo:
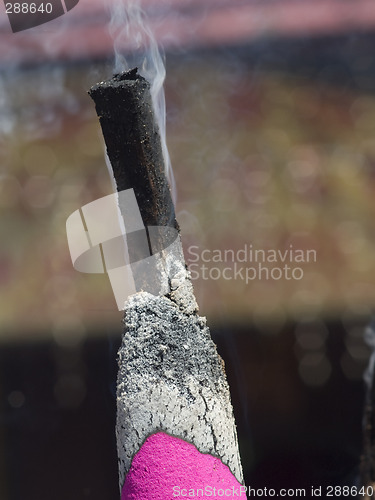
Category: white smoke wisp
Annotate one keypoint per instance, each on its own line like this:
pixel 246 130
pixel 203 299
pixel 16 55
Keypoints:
pixel 370 341
pixel 134 41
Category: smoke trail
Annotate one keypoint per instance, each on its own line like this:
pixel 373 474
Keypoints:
pixel 133 37
pixel 370 371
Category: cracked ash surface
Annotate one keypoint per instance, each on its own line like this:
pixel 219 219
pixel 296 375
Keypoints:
pixel 172 379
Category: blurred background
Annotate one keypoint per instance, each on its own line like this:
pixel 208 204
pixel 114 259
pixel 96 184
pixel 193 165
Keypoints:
pixel 270 128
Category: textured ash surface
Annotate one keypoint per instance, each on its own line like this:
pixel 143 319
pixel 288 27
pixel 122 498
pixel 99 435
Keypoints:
pixel 171 379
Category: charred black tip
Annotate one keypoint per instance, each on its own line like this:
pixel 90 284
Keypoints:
pixel 131 74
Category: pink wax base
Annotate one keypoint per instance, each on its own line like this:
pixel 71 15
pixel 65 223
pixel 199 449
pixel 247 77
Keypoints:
pixel 167 467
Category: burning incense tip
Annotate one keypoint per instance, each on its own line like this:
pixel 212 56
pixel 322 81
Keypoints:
pixel 132 137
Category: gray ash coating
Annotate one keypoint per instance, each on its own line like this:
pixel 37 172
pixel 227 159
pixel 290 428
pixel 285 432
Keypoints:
pixel 176 345
pixel 171 379
pixel 124 107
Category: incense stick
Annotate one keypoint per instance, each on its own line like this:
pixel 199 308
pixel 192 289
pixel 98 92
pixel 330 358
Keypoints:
pixel 171 379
